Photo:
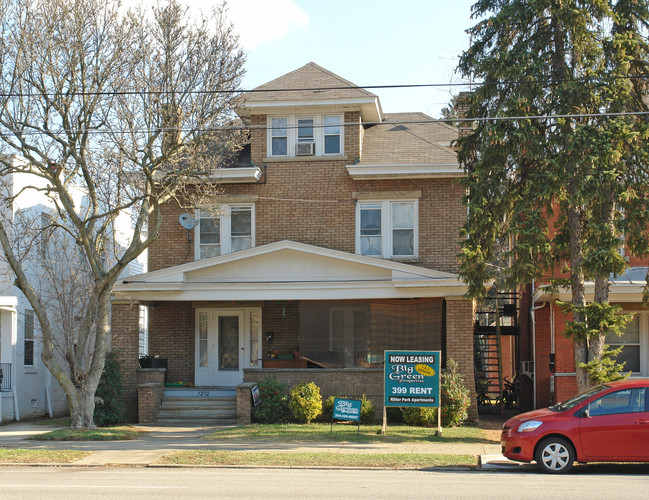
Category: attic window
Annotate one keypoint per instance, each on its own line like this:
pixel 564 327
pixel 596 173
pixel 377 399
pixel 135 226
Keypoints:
pixel 322 135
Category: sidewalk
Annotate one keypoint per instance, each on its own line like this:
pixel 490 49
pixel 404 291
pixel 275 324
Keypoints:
pixel 159 440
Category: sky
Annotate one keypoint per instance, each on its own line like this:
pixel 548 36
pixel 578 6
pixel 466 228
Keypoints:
pixel 368 42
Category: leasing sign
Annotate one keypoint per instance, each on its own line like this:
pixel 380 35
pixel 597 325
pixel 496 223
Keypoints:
pixel 412 378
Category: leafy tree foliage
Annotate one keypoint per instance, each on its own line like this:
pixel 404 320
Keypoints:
pixel 564 179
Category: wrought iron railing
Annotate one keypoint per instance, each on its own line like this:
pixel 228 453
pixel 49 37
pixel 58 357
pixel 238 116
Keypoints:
pixel 5 376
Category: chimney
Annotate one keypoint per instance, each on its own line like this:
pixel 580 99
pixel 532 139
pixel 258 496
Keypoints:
pixel 462 106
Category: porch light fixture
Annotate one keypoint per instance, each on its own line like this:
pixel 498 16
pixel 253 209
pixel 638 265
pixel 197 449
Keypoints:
pixel 269 336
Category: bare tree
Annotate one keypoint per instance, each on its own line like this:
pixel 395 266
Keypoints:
pixel 128 108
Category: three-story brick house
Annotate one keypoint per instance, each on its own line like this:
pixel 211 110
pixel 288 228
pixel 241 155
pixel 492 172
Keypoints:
pixel 336 239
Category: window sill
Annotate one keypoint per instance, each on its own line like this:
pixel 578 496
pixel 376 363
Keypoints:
pixel 407 260
pixel 281 159
pixel 30 369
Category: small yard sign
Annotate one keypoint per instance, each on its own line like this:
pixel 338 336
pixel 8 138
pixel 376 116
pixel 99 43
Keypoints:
pixel 256 397
pixel 347 410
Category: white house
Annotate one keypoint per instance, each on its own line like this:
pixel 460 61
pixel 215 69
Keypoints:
pixel 27 389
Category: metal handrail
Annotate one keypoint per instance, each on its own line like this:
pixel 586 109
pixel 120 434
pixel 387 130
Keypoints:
pixel 5 376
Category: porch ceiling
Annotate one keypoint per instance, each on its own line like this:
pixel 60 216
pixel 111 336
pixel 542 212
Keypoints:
pixel 288 270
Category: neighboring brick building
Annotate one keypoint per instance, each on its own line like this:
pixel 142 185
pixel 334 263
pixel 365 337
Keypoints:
pixel 553 352
pixel 337 239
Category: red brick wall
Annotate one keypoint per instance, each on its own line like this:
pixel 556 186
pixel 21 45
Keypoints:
pixel 459 344
pixel 125 332
pixel 171 336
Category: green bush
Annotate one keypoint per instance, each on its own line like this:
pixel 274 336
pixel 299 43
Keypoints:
pixel 109 409
pixel 306 402
pixel 274 403
pixel 328 408
pixel 367 409
pixel 456 398
pixel 394 415
pixel 422 417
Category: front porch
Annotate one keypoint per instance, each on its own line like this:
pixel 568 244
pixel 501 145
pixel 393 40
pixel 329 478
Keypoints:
pixel 300 313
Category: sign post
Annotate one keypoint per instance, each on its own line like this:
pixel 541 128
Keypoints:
pixel 412 379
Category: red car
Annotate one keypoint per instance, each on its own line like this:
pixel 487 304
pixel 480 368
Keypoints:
pixel 608 423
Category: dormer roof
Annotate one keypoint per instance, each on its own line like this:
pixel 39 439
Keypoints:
pixel 311 86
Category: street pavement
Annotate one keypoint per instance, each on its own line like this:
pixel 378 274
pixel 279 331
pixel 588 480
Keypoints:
pixel 159 440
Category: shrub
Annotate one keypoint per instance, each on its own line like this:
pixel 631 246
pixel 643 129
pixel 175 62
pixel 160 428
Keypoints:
pixel 109 409
pixel 367 409
pixel 328 408
pixel 306 402
pixel 274 403
pixel 423 417
pixel 394 415
pixel 456 398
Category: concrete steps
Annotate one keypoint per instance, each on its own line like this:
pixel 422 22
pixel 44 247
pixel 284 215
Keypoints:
pixel 198 406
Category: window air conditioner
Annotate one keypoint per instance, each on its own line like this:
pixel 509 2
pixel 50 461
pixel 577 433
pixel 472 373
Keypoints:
pixel 305 148
pixel 528 368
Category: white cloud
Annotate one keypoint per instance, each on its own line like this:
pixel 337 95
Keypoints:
pixel 255 21
pixel 261 21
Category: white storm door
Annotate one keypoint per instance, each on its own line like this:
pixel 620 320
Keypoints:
pixel 219 347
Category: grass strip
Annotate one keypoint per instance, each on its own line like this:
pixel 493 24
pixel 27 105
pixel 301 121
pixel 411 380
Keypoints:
pixel 118 433
pixel 345 433
pixel 23 456
pixel 385 460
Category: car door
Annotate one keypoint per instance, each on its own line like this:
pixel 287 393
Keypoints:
pixel 616 426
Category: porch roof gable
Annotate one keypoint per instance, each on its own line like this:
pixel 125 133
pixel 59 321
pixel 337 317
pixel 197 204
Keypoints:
pixel 287 269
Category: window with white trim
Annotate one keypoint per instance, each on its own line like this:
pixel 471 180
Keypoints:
pixel 232 230
pixel 324 132
pixel 28 339
pixel 387 228
pixel 635 344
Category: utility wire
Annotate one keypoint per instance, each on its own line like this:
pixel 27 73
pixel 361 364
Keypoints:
pixel 345 124
pixel 113 93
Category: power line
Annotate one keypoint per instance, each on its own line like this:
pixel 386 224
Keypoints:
pixel 344 124
pixel 113 93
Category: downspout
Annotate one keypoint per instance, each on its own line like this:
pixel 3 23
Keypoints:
pixel 534 308
pixel 14 386
pixel 552 354
pixel 48 399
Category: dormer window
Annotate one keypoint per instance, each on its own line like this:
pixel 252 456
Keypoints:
pixel 295 136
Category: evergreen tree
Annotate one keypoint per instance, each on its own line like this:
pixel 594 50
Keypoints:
pixel 565 179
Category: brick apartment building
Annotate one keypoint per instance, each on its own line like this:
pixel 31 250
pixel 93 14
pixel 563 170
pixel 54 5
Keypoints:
pixel 336 239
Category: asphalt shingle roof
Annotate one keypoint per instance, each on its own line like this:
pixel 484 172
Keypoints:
pixel 309 76
pixel 408 138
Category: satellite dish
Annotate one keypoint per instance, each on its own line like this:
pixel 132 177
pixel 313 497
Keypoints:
pixel 187 221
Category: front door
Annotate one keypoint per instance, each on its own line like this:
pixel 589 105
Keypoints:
pixel 224 339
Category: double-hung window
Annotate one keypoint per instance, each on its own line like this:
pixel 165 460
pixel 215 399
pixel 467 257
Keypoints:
pixel 332 128
pixel 279 136
pixel 28 343
pixel 229 231
pixel 635 344
pixel 317 135
pixel 387 228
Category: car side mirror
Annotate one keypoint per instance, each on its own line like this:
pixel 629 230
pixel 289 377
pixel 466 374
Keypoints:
pixel 585 413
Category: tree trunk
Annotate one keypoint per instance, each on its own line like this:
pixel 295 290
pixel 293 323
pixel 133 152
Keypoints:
pixel 597 342
pixel 578 293
pixel 82 409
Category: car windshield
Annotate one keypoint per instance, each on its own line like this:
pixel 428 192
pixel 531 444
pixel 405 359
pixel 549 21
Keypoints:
pixel 572 402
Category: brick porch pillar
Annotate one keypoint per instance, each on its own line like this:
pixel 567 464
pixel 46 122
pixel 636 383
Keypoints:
pixel 460 314
pixel 125 338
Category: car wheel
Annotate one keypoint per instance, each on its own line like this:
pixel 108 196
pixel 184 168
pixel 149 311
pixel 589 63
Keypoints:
pixel 555 455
